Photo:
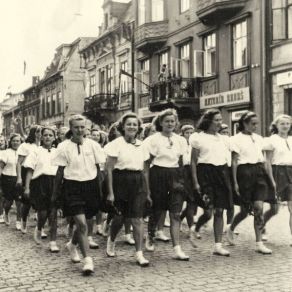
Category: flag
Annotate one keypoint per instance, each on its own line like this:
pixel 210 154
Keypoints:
pixel 24 67
pixel 126 73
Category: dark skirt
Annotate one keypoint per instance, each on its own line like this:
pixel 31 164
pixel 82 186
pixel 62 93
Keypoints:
pixel 20 189
pixel 283 178
pixel 167 188
pixel 41 190
pixel 254 184
pixel 8 184
pixel 215 183
pixel 81 197
pixel 130 192
pixel 189 190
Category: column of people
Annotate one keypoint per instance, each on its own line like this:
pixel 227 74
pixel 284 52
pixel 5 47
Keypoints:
pixel 124 176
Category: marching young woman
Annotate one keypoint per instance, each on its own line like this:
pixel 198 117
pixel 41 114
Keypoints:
pixel 2 148
pixel 211 176
pixel 77 162
pixel 127 175
pixel 191 209
pixel 8 161
pixel 39 185
pixel 251 182
pixel 279 165
pixel 166 175
pixel 31 144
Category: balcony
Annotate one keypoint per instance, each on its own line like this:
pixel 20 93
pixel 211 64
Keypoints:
pixel 176 93
pixel 210 11
pixel 151 36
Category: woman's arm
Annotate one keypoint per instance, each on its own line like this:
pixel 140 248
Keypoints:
pixel 111 161
pixel 194 161
pixel 18 168
pixel 268 166
pixel 57 182
pixel 234 165
pixel 146 170
pixel 29 174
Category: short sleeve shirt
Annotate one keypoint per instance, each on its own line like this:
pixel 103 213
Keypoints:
pixel 129 156
pixel 166 150
pixel 213 149
pixel 40 161
pixel 248 147
pixel 281 148
pixel 26 148
pixel 9 158
pixel 79 160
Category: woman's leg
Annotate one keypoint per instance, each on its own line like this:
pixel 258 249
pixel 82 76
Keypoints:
pixel 7 206
pixel 230 215
pixel 138 232
pixel 174 227
pixel 80 234
pixel 218 225
pixel 274 209
pixel 290 220
pixel 204 218
pixel 243 213
pixel 53 224
pixel 18 210
pixel 116 225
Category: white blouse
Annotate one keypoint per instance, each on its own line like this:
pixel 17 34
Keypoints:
pixel 129 156
pixel 9 158
pixel 26 148
pixel 79 160
pixel 213 149
pixel 166 150
pixel 248 147
pixel 281 148
pixel 40 162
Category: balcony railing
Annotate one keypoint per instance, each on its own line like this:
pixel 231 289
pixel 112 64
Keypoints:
pixel 175 89
pixel 107 101
pixel 152 33
pixel 210 10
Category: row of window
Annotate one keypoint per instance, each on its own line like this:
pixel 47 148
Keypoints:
pixel 51 104
pixel 31 117
pixel 157 9
pixel 204 61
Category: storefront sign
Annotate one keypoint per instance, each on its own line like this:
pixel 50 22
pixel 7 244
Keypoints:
pixel 284 78
pixel 228 98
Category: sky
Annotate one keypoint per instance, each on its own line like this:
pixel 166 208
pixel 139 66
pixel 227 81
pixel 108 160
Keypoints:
pixel 31 30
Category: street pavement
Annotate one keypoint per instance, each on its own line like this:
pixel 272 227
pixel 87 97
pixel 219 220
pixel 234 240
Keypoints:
pixel 27 267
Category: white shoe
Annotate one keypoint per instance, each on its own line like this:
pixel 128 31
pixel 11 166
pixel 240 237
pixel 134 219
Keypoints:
pixel 23 227
pixel 73 252
pixel 105 229
pixel 43 235
pixel 149 243
pixel 166 223
pixel 193 238
pixel 261 248
pixel 129 239
pixel 230 236
pixel 92 243
pixel 53 247
pixel 6 219
pixel 88 267
pixel 195 219
pixel 141 261
pixel 219 250
pixel 99 229
pixel 37 236
pixel 18 225
pixel 197 235
pixel 2 219
pixel 179 254
pixel 161 236
pixel 110 247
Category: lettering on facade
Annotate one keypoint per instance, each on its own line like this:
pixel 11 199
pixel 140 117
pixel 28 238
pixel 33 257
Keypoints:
pixel 227 98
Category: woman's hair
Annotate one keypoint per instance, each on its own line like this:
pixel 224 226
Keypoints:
pixel 112 135
pixel 274 128
pixel 160 117
pixel 12 137
pixel 31 135
pixel 50 129
pixel 75 118
pixel 187 127
pixel 245 118
pixel 207 119
pixel 123 120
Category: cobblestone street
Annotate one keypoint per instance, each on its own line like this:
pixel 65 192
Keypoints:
pixel 26 267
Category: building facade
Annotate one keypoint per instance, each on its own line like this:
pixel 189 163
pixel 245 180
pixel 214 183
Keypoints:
pixel 62 89
pixel 109 94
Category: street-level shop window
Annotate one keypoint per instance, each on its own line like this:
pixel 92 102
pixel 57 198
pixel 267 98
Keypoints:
pixel 157 10
pixel 141 12
pixel 92 85
pixel 184 5
pixel 282 19
pixel 145 73
pixel 240 44
pixel 209 59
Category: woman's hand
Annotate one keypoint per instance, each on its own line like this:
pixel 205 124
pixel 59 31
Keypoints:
pixel 236 189
pixel 26 193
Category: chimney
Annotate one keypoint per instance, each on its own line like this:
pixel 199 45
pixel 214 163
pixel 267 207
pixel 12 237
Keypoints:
pixel 35 80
